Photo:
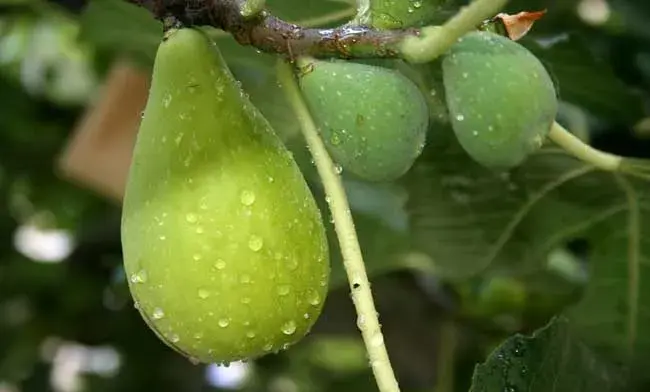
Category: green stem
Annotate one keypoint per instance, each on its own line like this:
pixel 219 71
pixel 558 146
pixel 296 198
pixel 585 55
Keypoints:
pixel 579 149
pixel 433 41
pixel 367 321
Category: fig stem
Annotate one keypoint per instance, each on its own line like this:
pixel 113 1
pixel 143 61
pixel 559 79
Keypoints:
pixel 584 152
pixel 367 317
pixel 433 41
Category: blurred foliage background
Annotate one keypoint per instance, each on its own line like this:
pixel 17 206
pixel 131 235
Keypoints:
pixel 462 259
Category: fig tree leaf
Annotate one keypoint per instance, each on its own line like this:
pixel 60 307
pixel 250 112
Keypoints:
pixel 585 80
pixel 389 14
pixel 468 218
pixel 551 359
pixel 138 35
pixel 613 313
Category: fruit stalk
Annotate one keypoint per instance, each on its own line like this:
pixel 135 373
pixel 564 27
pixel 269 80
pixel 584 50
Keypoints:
pixel 367 318
pixel 579 149
pixel 433 41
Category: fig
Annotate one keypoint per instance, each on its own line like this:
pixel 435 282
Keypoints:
pixel 373 120
pixel 224 246
pixel 501 99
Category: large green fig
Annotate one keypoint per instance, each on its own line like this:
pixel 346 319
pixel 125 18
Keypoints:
pixel 501 99
pixel 223 243
pixel 373 119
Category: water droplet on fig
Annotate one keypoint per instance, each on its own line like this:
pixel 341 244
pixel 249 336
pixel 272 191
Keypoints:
pixel 313 298
pixel 247 198
pixel 139 277
pixel 255 243
pixel 283 290
pixel 220 264
pixel 224 322
pixel 289 328
pixel 158 313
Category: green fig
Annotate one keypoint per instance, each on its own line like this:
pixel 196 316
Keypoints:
pixel 373 120
pixel 224 245
pixel 501 100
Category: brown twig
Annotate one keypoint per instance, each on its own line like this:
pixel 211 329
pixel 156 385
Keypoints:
pixel 273 35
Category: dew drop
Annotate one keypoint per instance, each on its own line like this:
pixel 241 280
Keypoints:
pixel 158 314
pixel 223 323
pixel 220 264
pixel 339 169
pixel 162 237
pixel 292 264
pixel 460 117
pixel 245 278
pixel 174 338
pixel 139 277
pixel 255 243
pixel 203 294
pixel 167 100
pixel 284 290
pixel 306 316
pixel 199 230
pixel 313 298
pixel 289 328
pixel 197 257
pixel 245 300
pixel 250 334
pixel 191 218
pixel 194 361
pixel 267 347
pixel 247 198
pixel 335 139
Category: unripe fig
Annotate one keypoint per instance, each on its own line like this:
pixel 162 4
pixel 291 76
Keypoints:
pixel 501 99
pixel 223 243
pixel 373 120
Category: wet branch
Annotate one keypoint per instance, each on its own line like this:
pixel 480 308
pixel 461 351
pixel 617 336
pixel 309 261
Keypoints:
pixel 273 35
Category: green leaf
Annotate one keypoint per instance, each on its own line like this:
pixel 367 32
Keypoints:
pixel 138 33
pixel 468 218
pixel 613 314
pixel 586 81
pixel 552 359
pixel 390 14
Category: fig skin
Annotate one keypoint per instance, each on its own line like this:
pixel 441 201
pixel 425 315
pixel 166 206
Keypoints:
pixel 373 119
pixel 224 246
pixel 501 99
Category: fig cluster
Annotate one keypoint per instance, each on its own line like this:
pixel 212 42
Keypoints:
pixel 500 99
pixel 223 243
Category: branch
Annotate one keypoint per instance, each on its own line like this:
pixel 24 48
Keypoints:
pixel 273 35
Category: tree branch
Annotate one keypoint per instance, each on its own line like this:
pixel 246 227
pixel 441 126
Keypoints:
pixel 273 35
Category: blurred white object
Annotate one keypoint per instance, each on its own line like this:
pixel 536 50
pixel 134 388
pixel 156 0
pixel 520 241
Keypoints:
pixel 233 376
pixel 594 12
pixel 43 245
